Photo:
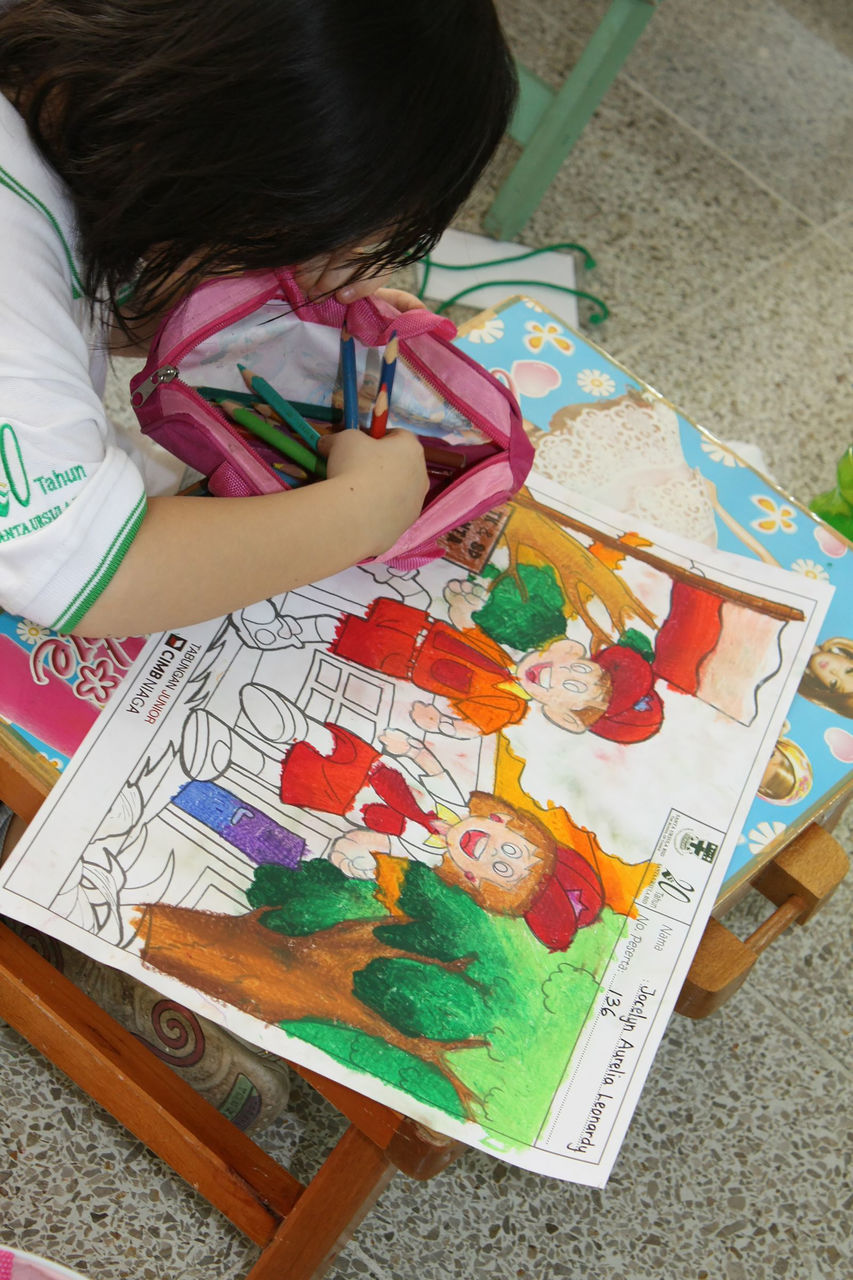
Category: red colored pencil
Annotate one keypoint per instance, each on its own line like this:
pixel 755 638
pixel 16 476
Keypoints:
pixel 379 418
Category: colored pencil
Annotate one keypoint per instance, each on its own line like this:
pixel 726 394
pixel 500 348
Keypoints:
pixel 350 379
pixel 322 412
pixel 216 395
pixel 298 473
pixel 389 363
pixel 325 414
pixel 379 418
pixel 283 408
pixel 222 393
pixel 286 477
pixel 272 435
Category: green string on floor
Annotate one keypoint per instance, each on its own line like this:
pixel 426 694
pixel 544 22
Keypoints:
pixel 597 317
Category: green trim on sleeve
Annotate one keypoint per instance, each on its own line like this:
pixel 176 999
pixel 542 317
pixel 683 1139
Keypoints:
pixel 6 180
pixel 102 576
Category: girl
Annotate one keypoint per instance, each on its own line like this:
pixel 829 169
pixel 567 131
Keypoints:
pixel 148 144
pixel 144 146
pixel 828 677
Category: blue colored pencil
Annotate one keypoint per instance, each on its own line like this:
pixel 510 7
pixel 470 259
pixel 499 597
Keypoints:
pixel 286 478
pixel 350 379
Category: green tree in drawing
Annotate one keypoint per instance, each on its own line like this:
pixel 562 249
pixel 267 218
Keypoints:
pixel 437 997
pixel 476 982
pixel 523 612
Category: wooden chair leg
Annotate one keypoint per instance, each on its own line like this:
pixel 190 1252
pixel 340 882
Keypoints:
pixel 415 1150
pixel 299 1229
pixel 163 1111
pixel 812 867
pixel 800 880
pixel 561 122
pixel 328 1212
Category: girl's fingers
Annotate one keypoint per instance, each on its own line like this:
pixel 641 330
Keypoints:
pixel 347 293
pixel 402 300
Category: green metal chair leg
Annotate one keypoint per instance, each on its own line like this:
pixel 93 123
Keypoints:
pixel 548 124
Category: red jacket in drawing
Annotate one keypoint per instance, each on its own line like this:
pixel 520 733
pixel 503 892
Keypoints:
pixel 471 671
pixel 330 784
pixel 477 677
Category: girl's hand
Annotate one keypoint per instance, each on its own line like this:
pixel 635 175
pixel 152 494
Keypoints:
pixel 391 476
pixel 398 298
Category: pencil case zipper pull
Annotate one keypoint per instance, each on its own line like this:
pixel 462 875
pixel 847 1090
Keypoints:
pixel 166 373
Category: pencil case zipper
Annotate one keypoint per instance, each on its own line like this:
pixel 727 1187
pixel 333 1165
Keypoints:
pixel 170 372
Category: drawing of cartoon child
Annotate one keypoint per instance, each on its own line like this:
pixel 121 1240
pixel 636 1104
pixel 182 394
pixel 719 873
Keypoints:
pixel 717 650
pixel 828 677
pixel 505 859
pixel 483 689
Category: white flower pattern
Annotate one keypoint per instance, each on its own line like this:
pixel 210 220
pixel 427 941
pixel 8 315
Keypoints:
pixel 778 516
pixel 543 335
pixel 718 452
pixel 489 330
pixel 595 382
pixel 31 632
pixel 810 569
pixel 762 835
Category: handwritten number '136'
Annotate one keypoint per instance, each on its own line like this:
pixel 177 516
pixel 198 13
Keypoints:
pixel 13 473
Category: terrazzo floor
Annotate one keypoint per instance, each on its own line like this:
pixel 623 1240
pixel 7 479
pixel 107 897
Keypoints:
pixel 715 190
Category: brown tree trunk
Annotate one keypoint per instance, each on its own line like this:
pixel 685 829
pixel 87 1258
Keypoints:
pixel 770 608
pixel 532 535
pixel 277 978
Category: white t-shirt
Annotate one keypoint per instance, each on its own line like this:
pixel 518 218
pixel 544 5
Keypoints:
pixel 72 485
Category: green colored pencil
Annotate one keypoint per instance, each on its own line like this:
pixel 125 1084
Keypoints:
pixel 283 408
pixel 319 412
pixel 265 430
pixel 322 412
pixel 216 394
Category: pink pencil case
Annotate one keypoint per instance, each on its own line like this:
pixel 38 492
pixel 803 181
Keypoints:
pixel 26 1266
pixel 263 320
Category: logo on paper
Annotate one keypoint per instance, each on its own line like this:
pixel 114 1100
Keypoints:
pixel 689 842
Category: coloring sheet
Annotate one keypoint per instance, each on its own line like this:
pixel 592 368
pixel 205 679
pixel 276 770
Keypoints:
pixel 449 837
pixel 606 435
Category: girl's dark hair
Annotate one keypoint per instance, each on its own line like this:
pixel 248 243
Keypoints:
pixel 246 134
